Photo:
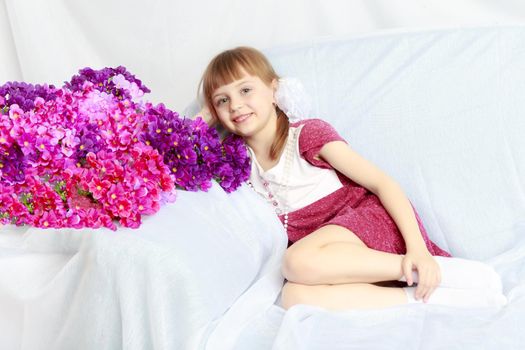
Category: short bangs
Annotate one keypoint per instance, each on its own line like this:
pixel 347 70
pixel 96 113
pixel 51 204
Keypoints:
pixel 232 64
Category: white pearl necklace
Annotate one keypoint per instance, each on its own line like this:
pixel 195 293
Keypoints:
pixel 270 195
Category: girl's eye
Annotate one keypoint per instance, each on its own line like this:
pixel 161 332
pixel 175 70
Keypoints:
pixel 220 101
pixel 245 90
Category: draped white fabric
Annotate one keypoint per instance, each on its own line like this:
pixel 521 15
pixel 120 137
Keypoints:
pixel 203 265
pixel 167 43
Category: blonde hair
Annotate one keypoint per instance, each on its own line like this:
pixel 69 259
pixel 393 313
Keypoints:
pixel 227 67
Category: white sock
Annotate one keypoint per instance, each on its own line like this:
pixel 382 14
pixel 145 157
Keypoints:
pixel 464 274
pixel 459 297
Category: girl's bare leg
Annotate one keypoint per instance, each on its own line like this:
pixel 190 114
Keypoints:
pixel 335 255
pixel 342 296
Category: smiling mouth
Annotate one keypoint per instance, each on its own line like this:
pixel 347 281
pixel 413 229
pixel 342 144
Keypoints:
pixel 242 118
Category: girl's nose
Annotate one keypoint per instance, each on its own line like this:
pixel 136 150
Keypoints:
pixel 235 105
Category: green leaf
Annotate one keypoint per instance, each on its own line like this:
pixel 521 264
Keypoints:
pixel 83 192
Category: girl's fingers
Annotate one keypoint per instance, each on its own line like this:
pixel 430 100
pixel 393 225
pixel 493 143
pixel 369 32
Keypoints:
pixel 429 279
pixel 421 285
pixel 407 271
pixel 430 287
pixel 425 284
pixel 421 291
pixel 427 296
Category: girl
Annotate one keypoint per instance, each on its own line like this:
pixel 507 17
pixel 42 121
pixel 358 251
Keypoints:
pixel 351 226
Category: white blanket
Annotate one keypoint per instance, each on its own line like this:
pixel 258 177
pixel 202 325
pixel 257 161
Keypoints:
pixel 165 285
pixel 440 111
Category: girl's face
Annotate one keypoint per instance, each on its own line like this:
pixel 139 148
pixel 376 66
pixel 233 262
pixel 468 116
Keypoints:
pixel 245 106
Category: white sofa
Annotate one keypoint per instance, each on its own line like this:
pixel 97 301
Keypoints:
pixel 441 111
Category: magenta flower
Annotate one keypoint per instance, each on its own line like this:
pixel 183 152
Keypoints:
pixel 98 187
pixel 49 219
pixel 115 193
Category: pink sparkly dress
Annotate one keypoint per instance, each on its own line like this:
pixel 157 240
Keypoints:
pixel 351 205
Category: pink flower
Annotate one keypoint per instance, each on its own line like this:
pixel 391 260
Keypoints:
pixel 78 201
pixel 43 144
pixel 147 206
pixel 49 219
pixel 131 221
pixel 99 187
pixel 27 143
pixel 122 208
pixel 121 83
pixel 5 137
pixel 115 193
pixel 15 112
pixel 74 220
pixel 56 135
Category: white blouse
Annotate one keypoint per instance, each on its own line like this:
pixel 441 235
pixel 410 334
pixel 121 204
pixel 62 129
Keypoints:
pixel 306 182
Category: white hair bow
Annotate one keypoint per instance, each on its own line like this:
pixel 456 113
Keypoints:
pixel 292 99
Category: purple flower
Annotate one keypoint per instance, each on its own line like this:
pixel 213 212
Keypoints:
pixel 234 167
pixel 89 141
pixel 103 81
pixel 26 141
pixel 24 95
pixel 12 165
pixel 190 148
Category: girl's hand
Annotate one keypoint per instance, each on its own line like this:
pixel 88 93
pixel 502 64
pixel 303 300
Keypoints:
pixel 428 270
pixel 206 116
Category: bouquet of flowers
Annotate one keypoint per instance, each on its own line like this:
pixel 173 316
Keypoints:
pixel 92 153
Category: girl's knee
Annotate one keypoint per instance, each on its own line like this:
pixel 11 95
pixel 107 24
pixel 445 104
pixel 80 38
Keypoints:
pixel 299 266
pixel 293 294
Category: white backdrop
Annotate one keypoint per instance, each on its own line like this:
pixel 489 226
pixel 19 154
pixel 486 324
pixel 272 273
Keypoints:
pixel 167 43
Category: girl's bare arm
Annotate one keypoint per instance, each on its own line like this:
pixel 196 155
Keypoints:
pixel 342 158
